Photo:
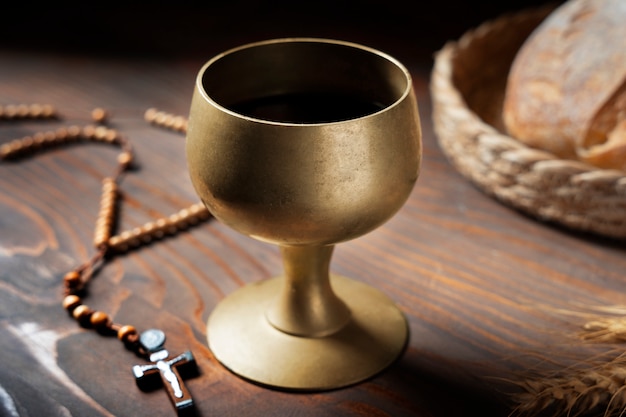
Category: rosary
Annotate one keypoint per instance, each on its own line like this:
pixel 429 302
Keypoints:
pixel 162 370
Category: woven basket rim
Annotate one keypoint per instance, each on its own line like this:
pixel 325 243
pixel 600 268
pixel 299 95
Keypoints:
pixel 567 192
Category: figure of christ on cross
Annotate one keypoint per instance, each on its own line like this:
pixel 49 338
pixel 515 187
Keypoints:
pixel 166 372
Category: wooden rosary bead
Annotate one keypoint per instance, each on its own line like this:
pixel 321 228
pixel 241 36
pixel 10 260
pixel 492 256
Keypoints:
pixel 118 243
pixel 37 110
pixel 48 111
pixel 167 227
pixel 100 133
pixel 88 132
pixel 178 221
pixel 197 213
pixel 100 320
pixel 99 115
pixel 73 280
pixel 125 159
pixel 8 111
pixel 73 132
pixel 70 302
pixel 158 228
pixel 169 121
pixel 147 232
pixel 179 123
pixel 143 235
pixel 150 115
pixel 6 150
pixel 82 313
pixel 22 111
pixel 42 139
pixel 27 142
pixel 112 136
pixel 60 135
pixel 127 333
pixel 160 119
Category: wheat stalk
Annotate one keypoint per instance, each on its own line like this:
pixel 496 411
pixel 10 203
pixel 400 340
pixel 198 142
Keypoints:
pixel 577 391
pixel 597 387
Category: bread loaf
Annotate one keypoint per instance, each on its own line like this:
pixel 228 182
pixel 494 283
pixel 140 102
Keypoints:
pixel 566 90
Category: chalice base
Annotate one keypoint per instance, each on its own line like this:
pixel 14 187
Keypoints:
pixel 243 340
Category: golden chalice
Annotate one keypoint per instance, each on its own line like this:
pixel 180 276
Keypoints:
pixel 304 143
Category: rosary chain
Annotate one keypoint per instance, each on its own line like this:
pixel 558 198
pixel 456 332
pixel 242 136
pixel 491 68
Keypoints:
pixel 105 242
pixel 27 111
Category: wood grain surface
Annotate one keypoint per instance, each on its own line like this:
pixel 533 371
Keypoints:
pixel 484 288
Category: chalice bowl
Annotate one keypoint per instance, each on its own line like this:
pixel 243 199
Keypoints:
pixel 304 143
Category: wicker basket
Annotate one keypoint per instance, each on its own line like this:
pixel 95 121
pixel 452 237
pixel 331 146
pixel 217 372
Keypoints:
pixel 467 86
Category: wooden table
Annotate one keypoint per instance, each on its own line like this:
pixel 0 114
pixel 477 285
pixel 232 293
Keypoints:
pixel 483 287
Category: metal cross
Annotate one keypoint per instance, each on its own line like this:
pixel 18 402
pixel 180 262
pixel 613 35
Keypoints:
pixel 165 372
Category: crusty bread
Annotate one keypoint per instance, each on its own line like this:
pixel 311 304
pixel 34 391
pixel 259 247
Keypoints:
pixel 566 90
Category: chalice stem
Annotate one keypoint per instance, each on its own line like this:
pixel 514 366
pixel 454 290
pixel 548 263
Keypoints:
pixel 307 305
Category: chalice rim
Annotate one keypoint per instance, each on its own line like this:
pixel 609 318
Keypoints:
pixel 405 93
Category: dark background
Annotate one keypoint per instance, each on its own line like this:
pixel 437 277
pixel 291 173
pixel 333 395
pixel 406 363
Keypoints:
pixel 186 29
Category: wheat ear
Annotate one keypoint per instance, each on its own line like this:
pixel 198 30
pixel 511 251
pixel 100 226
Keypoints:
pixel 576 392
pixel 605 330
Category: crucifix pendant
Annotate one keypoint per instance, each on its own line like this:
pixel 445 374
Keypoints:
pixel 165 372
